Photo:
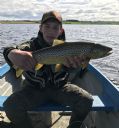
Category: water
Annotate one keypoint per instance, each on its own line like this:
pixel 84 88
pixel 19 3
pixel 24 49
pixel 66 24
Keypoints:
pixel 12 34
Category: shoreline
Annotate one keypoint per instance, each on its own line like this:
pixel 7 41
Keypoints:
pixel 64 22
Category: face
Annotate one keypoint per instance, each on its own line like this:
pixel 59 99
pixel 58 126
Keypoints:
pixel 51 29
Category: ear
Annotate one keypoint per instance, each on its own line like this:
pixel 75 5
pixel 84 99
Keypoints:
pixel 61 31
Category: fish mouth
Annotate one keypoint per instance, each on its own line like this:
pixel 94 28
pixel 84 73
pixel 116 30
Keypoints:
pixel 109 53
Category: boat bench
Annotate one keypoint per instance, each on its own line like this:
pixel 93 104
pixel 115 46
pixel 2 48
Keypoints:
pixel 100 103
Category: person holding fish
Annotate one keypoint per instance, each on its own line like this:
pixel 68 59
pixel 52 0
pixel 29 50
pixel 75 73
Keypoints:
pixel 45 82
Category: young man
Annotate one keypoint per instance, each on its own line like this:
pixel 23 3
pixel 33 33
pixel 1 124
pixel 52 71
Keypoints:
pixel 46 85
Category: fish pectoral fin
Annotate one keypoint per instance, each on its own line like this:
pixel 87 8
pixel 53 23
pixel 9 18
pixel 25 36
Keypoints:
pixel 19 71
pixel 38 66
pixel 56 42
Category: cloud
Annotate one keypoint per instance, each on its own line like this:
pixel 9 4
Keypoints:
pixel 70 9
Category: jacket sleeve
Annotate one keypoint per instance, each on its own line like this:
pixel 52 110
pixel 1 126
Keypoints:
pixel 24 46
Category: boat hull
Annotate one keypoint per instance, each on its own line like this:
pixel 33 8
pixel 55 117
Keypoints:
pixel 92 80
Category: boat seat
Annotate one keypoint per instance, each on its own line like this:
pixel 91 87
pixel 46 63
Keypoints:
pixel 100 103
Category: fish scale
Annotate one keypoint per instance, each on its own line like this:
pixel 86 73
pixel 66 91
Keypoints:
pixel 58 53
pixel 62 50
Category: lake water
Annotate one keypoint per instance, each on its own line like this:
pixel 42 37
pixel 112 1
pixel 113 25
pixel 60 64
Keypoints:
pixel 12 34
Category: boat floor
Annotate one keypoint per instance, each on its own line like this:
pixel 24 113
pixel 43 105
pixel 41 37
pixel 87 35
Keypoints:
pixel 9 84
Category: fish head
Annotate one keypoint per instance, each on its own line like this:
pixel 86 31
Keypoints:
pixel 99 51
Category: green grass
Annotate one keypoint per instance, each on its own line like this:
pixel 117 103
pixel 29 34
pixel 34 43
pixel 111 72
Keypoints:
pixel 93 22
pixel 19 22
pixel 64 22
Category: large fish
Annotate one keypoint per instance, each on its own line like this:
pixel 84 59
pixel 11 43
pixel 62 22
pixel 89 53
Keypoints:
pixel 57 54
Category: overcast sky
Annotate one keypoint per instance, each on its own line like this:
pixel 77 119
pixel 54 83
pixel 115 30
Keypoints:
pixel 70 9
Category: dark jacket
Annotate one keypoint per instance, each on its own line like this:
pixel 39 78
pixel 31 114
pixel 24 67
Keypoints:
pixel 46 76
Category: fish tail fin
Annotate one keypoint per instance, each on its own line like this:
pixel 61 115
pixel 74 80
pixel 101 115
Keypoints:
pixel 19 71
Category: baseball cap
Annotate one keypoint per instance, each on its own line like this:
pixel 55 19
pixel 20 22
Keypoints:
pixel 51 15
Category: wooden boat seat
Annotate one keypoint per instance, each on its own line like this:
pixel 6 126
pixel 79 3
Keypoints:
pixel 100 103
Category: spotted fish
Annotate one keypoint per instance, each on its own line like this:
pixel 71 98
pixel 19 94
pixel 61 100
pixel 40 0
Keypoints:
pixel 58 53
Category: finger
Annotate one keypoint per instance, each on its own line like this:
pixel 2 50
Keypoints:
pixel 32 63
pixel 77 61
pixel 81 61
pixel 27 65
pixel 67 62
pixel 73 62
pixel 85 63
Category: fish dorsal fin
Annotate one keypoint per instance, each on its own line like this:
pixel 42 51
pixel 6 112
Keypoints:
pixel 56 42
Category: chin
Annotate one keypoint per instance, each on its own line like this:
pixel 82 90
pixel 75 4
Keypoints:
pixel 49 42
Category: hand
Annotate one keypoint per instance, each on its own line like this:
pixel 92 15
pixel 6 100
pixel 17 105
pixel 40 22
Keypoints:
pixel 22 59
pixel 77 61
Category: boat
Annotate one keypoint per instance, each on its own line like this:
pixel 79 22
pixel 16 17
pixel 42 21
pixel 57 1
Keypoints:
pixel 105 109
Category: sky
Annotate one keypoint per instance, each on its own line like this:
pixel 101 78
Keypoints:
pixel 82 10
